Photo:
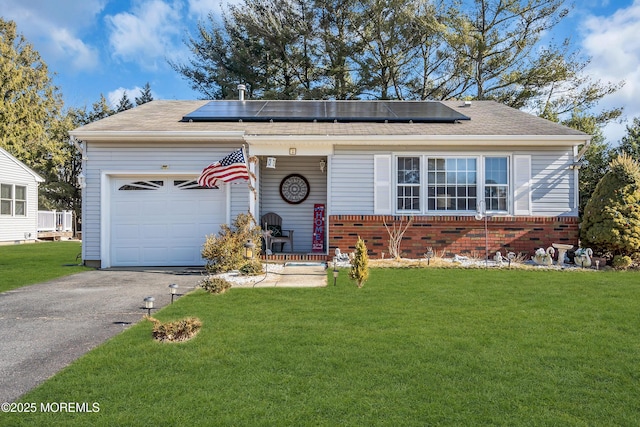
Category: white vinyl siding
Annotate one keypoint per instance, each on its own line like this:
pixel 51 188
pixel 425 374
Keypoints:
pixel 297 217
pixel 352 184
pixel 139 158
pixel 551 183
pixel 22 223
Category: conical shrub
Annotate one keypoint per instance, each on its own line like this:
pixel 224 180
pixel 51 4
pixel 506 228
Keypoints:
pixel 611 220
pixel 360 264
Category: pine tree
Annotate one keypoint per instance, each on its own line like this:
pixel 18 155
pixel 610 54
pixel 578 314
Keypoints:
pixel 145 95
pixel 30 104
pixel 99 110
pixel 360 264
pixel 124 103
pixel 630 143
pixel 611 222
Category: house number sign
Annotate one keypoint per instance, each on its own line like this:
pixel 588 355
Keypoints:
pixel 294 189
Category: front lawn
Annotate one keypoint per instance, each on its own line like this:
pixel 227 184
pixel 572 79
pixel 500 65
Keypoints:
pixel 27 264
pixel 413 347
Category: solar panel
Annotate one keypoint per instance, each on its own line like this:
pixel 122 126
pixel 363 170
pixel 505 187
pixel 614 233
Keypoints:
pixel 325 111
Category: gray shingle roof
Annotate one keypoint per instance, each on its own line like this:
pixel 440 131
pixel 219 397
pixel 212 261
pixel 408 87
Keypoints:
pixel 487 118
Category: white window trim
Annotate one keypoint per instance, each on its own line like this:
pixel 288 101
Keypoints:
pixel 13 200
pixel 480 170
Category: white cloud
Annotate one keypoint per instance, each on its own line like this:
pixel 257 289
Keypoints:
pixel 114 96
pixel 612 43
pixel 80 55
pixel 53 27
pixel 146 34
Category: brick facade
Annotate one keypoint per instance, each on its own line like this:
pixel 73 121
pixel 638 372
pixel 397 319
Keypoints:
pixel 462 235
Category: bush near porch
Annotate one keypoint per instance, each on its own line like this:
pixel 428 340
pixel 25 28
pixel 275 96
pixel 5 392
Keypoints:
pixel 225 251
pixel 413 347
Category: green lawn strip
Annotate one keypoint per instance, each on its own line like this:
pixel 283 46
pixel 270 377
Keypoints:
pixel 27 264
pixel 413 347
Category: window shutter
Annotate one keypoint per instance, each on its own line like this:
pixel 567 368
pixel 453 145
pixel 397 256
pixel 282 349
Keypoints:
pixel 382 184
pixel 522 185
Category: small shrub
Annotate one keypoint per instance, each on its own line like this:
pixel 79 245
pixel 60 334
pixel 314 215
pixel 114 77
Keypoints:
pixel 225 251
pixel 360 264
pixel 396 233
pixel 621 262
pixel 214 285
pixel 251 268
pixel 176 331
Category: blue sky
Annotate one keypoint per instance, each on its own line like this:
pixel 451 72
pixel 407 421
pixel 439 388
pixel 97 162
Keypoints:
pixel 108 46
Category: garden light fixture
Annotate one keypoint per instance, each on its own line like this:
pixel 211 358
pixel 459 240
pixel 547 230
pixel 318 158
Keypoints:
pixel 148 304
pixel 335 273
pixel 429 254
pixel 173 289
pixel 249 249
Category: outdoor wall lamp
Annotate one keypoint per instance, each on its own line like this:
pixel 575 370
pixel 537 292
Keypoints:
pixel 271 162
pixel 148 304
pixel 249 249
pixel 173 289
pixel 323 165
pixel 82 181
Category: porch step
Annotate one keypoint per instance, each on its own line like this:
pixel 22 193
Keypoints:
pixel 288 257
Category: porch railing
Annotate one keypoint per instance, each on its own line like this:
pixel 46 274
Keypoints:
pixel 55 221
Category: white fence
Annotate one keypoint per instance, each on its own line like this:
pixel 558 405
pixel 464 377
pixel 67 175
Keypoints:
pixel 55 221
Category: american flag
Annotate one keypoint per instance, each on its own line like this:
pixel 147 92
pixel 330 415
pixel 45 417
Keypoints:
pixel 232 167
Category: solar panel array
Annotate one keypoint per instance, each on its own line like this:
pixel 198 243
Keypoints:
pixel 325 111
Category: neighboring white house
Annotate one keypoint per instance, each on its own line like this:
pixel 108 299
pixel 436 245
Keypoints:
pixel 18 200
pixel 365 162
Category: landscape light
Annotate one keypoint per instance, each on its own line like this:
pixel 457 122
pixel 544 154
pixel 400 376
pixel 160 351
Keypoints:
pixel 173 289
pixel 249 249
pixel 148 304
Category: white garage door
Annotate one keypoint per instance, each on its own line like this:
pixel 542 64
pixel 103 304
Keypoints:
pixel 163 221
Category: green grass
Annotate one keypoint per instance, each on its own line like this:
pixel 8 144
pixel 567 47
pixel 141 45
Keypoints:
pixel 413 347
pixel 27 264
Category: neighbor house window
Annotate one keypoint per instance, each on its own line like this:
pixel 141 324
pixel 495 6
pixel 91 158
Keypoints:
pixel 6 199
pixel 13 200
pixel 20 200
pixel 408 198
pixel 496 185
pixel 451 184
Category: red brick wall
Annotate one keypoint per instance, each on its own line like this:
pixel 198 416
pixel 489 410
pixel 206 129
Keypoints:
pixel 460 235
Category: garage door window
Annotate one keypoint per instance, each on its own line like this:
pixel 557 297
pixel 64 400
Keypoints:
pixel 190 185
pixel 142 185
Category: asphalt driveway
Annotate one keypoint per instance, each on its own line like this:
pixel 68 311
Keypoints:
pixel 47 326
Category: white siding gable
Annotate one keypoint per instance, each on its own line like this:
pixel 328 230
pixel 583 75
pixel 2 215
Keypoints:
pixel 18 228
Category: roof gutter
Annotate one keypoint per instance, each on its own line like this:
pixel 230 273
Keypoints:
pixel 450 140
pixel 155 136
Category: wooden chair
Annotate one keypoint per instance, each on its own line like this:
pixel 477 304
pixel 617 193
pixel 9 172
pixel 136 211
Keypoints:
pixel 272 225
